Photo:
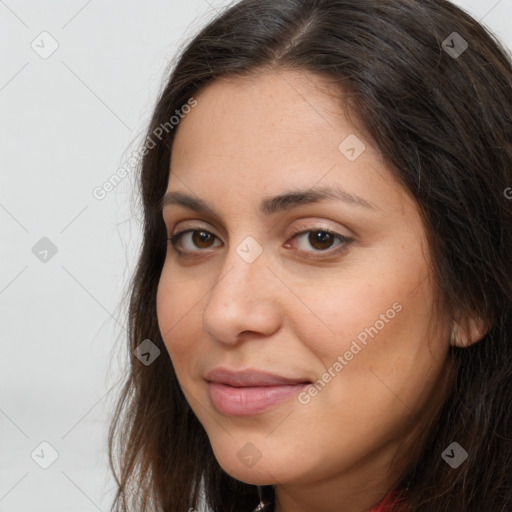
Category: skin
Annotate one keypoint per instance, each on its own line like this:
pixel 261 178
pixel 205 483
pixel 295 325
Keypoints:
pixel 291 314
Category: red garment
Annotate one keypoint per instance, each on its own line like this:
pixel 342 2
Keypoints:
pixel 383 505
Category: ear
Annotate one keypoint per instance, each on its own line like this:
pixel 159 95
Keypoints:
pixel 467 330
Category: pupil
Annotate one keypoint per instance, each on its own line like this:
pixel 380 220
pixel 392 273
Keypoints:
pixel 320 237
pixel 201 237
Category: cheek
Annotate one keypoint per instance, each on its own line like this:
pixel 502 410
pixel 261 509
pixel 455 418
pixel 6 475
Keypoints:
pixel 178 304
pixel 337 316
pixel 379 315
pixel 377 387
pixel 379 312
pixel 385 351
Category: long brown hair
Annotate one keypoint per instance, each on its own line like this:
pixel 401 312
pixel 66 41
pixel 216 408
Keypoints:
pixel 432 89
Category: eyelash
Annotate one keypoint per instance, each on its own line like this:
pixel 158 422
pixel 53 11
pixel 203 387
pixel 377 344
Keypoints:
pixel 174 240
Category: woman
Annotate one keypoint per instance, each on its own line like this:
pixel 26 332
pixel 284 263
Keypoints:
pixel 324 288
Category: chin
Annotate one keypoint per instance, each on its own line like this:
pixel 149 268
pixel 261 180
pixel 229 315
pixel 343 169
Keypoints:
pixel 249 466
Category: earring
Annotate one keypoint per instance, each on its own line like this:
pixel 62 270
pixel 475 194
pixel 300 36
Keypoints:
pixel 262 506
pixel 454 339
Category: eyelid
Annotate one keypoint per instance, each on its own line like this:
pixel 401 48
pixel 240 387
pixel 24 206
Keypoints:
pixel 318 225
pixel 191 223
pixel 310 224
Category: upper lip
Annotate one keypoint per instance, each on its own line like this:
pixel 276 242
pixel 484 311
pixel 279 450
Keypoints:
pixel 248 378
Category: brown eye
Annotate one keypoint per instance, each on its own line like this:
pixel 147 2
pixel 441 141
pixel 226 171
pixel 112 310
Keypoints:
pixel 320 239
pixel 192 240
pixel 322 242
pixel 202 239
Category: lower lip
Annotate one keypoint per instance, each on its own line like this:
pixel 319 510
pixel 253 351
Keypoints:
pixel 246 401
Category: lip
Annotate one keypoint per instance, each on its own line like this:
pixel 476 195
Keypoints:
pixel 249 392
pixel 250 378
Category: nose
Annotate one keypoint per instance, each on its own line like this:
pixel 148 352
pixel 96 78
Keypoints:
pixel 244 299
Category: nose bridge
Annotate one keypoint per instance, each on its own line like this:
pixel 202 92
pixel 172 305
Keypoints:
pixel 242 274
pixel 241 299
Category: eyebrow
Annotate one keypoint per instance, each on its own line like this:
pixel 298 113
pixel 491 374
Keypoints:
pixel 272 205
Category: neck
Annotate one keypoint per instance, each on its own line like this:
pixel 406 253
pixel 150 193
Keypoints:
pixel 358 491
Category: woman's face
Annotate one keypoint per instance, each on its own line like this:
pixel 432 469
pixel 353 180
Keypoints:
pixel 350 314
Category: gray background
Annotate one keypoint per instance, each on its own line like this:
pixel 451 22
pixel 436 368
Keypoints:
pixel 68 122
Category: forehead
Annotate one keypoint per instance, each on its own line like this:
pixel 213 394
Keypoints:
pixel 263 133
pixel 273 110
